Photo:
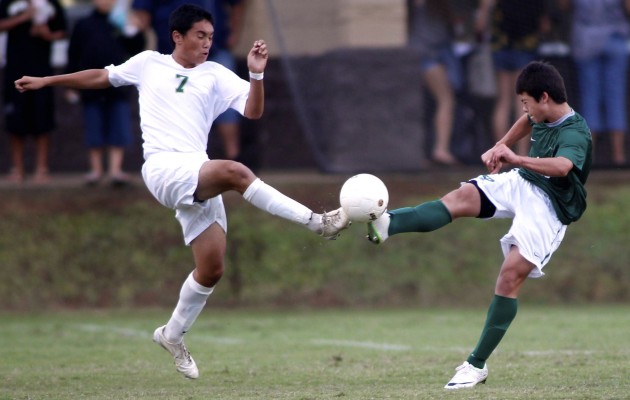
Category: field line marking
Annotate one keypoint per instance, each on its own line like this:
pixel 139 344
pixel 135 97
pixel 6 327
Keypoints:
pixel 137 333
pixel 536 353
pixel 365 345
pixel 128 332
pixel 95 328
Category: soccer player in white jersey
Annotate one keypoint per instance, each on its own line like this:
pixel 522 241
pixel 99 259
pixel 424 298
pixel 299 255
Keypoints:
pixel 180 94
pixel 543 195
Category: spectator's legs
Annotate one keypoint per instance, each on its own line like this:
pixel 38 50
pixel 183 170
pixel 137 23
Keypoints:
pixel 589 81
pixel 506 103
pixel 95 155
pixel 437 82
pixel 41 158
pixel 116 156
pixel 17 159
pixel 230 135
pixel 508 65
pixel 505 91
pixel 616 65
pixel 228 124
pixel 522 147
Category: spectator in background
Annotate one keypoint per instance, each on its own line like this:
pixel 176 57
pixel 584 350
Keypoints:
pixel 228 26
pixel 31 29
pixel 104 38
pixel 514 28
pixel 228 23
pixel 600 33
pixel 432 34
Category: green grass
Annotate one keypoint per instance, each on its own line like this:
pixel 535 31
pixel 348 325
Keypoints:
pixel 128 250
pixel 549 353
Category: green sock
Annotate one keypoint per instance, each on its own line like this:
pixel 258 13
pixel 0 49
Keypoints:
pixel 501 313
pixel 425 217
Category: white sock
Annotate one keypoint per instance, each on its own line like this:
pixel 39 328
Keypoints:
pixel 192 298
pixel 271 200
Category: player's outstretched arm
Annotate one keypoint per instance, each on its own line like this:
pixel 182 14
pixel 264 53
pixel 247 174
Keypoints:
pixel 256 62
pixel 87 79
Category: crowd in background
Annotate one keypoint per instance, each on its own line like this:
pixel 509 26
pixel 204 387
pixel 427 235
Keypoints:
pixel 477 48
pixel 470 49
pixel 109 32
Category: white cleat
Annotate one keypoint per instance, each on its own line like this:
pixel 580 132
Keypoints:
pixel 377 229
pixel 183 361
pixel 333 223
pixel 467 376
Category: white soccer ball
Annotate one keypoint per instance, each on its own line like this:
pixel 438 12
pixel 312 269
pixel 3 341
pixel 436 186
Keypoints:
pixel 364 198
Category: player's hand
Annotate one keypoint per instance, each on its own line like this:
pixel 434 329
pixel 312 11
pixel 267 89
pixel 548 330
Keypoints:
pixel 257 57
pixel 491 162
pixel 486 159
pixel 499 155
pixel 26 83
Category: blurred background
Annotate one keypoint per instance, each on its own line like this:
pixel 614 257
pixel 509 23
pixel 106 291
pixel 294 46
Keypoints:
pixel 350 87
pixel 345 89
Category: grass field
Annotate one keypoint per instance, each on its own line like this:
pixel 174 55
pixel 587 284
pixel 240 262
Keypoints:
pixel 549 353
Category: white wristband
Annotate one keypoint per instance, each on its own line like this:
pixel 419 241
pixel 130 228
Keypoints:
pixel 256 75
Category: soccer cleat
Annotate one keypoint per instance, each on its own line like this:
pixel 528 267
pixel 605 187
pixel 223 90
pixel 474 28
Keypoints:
pixel 377 229
pixel 183 361
pixel 467 376
pixel 332 223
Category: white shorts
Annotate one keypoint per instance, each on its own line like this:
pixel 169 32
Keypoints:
pixel 535 230
pixel 172 178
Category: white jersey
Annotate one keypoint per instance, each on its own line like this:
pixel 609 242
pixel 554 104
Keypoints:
pixel 177 104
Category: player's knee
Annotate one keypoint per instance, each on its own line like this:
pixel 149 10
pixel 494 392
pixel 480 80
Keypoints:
pixel 463 202
pixel 239 174
pixel 509 282
pixel 210 275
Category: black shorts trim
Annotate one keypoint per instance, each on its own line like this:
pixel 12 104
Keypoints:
pixel 487 209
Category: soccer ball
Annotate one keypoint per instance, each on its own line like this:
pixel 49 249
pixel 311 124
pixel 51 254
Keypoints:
pixel 364 198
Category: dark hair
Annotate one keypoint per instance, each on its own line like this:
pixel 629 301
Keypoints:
pixel 538 77
pixel 183 18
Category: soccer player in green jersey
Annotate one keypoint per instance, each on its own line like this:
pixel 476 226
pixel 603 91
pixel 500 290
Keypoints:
pixel 542 195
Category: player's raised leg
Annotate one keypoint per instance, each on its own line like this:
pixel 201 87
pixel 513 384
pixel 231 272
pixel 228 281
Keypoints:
pixel 425 217
pixel 218 176
pixel 465 201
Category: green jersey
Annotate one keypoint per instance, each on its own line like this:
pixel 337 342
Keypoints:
pixel 570 138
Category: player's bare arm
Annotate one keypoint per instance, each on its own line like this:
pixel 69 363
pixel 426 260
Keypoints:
pixel 550 166
pixel 256 62
pixel 87 79
pixel 519 130
pixel 237 20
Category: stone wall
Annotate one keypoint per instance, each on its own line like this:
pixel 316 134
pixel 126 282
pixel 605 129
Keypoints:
pixel 317 27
